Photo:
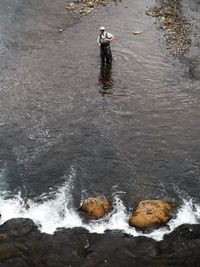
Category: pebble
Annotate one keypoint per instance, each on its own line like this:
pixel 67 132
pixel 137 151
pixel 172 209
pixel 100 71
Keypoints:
pixel 137 32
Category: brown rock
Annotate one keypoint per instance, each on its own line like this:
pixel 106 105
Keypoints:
pixel 71 6
pixel 151 213
pixel 90 4
pixel 96 207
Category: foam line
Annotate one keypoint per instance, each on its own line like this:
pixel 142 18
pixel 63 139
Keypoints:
pixel 56 210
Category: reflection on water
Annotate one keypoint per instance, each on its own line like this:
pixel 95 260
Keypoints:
pixel 143 140
pixel 105 78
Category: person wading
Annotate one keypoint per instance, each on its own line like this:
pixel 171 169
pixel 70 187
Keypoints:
pixel 104 39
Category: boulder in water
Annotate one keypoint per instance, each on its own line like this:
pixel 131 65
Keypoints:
pixel 194 71
pixel 151 213
pixel 96 207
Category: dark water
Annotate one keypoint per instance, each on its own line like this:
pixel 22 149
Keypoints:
pixel 132 128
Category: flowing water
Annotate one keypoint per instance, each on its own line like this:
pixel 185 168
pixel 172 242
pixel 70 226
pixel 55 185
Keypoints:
pixel 71 129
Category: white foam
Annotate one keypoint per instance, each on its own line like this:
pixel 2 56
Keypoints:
pixel 49 212
pixel 56 210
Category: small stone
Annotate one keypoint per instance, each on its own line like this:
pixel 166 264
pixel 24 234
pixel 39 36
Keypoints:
pixel 59 41
pixel 90 4
pixel 137 32
pixel 71 7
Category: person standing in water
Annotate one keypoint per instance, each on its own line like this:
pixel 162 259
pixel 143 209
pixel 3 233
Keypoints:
pixel 104 39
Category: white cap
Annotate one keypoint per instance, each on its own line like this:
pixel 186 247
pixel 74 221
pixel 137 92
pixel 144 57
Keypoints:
pixel 102 28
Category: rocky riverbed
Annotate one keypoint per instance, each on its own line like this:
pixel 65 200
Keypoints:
pixel 85 7
pixel 172 20
pixel 23 245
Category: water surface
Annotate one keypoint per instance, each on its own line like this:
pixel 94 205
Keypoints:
pixel 130 132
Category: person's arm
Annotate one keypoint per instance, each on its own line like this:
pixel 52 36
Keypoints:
pixel 111 37
pixel 98 43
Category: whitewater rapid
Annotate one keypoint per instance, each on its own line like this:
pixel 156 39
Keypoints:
pixel 55 210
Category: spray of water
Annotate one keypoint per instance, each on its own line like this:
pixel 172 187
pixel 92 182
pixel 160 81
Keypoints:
pixel 56 210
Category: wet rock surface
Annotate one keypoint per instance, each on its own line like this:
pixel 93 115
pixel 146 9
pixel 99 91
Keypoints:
pixel 96 207
pixel 150 213
pixel 22 244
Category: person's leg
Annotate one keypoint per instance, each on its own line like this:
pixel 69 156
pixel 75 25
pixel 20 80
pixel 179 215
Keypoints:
pixel 102 55
pixel 108 55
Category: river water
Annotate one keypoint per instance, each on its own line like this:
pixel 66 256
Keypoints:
pixel 70 129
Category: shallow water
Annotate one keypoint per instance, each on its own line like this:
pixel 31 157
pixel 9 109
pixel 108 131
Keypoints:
pixel 129 133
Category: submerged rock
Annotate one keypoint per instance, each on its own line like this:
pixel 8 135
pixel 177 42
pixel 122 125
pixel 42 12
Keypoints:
pixel 96 207
pixel 71 7
pixel 87 6
pixel 194 70
pixel 90 4
pixel 86 10
pixel 151 213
